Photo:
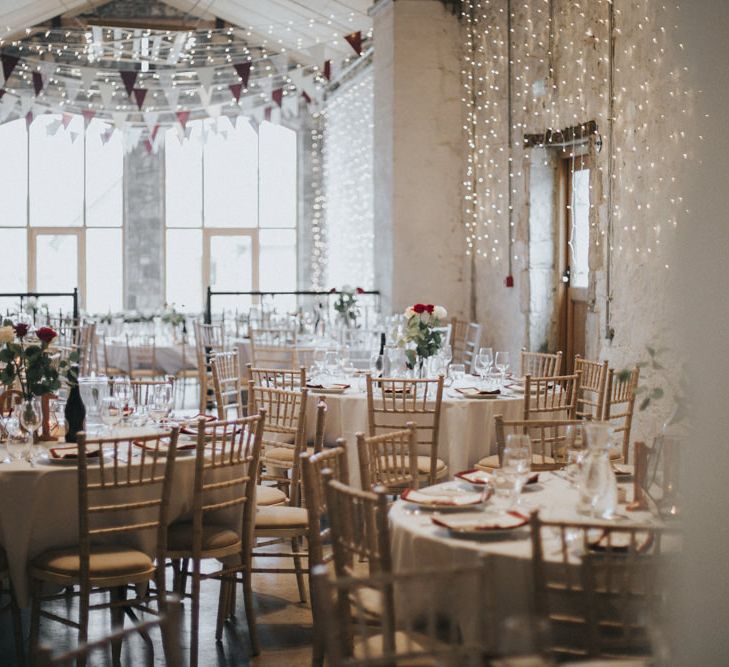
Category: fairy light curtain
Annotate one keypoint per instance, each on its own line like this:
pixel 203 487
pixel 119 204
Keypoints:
pixel 348 155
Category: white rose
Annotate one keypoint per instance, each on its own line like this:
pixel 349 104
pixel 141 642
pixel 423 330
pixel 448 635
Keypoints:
pixel 440 313
pixel 7 335
pixel 409 312
pixel 425 317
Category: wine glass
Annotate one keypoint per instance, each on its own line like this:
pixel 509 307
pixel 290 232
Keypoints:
pixel 123 391
pixel 502 362
pixel 320 357
pixel 112 410
pixel 331 363
pixel 398 361
pixel 516 463
pixel 575 450
pixel 483 365
pixel 161 405
pixel 488 353
pixel 446 354
pixel 456 373
pixel 18 443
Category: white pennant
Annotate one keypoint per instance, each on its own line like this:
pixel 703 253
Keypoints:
pixel 25 102
pixel 205 96
pixel 257 114
pixel 88 76
pixel 173 95
pixel 280 63
pixel 150 119
pixel 213 110
pixel 133 134
pixel 297 77
pixel 205 76
pixel 120 119
pixel 318 53
pixel 72 88
pixel 290 105
pixel 265 86
pixel 165 78
pixel 275 115
pixel 107 93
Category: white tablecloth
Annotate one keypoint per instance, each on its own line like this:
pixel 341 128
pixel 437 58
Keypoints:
pixel 169 357
pixel 466 428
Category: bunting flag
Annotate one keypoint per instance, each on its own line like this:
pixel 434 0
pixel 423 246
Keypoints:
pixel 205 96
pixel 354 39
pixel 173 96
pixel 267 113
pixel 129 78
pixel 150 119
pixel 26 102
pixel 66 120
pixel 206 75
pixel 88 115
pixel 106 135
pixel 9 63
pixel 165 79
pixel 306 97
pixel 28 119
pixel 328 69
pixel 120 119
pixel 290 106
pixel 280 63
pixel 236 89
pixel 139 95
pixel 106 90
pixel 244 72
pixel 37 83
pixel 277 96
pixel 74 136
pixel 53 127
pixel 182 117
pixel 72 88
pixel 88 77
pixel 213 110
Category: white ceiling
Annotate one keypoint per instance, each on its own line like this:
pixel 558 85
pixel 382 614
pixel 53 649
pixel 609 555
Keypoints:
pixel 284 23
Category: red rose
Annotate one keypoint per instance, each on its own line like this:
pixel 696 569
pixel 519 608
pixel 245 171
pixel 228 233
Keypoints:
pixel 46 334
pixel 21 330
pixel 430 307
pixel 419 308
pixel 332 290
pixel 359 290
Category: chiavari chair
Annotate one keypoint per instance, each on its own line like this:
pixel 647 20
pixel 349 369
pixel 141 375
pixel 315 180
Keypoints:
pixel 225 371
pixel 278 378
pixel 120 498
pixel 465 341
pixel 390 460
pixel 109 370
pixel 143 390
pixel 619 406
pixel 209 340
pixel 598 584
pixel 226 466
pixel 551 397
pixel 188 369
pixel 593 384
pixel 12 606
pixel 392 402
pixel 547 439
pixel 142 358
pixel 8 400
pixel 540 364
pixel 274 348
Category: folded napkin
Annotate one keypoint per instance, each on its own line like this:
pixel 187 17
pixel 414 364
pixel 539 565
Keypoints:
pixel 442 498
pixel 190 427
pixel 478 522
pixel 336 385
pixel 475 391
pixel 620 542
pixel 474 476
pixel 71 452
pixel 151 446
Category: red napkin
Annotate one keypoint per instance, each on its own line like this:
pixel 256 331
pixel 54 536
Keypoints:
pixel 192 430
pixel 469 391
pixel 72 453
pixel 326 386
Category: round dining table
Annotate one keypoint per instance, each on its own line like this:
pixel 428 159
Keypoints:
pixel 168 356
pixel 466 435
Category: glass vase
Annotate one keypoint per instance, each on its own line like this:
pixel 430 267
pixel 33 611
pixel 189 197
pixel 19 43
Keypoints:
pixel 30 415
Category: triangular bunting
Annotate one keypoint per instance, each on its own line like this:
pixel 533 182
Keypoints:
pixel 205 96
pixel 37 83
pixel 354 39
pixel 74 136
pixel 25 102
pixel 290 106
pixel 66 120
pixel 107 93
pixel 28 119
pixel 150 119
pixel 214 110
pixel 88 115
pixel 72 88
pixel 106 136
pixel 267 113
pixel 280 63
pixel 139 95
pixel 129 78
pixel 88 76
pixel 120 119
pixel 165 77
pixel 277 96
pixel 182 117
pixel 244 72
pixel 306 96
pixel 9 63
pixel 173 95
pixel 206 75
pixel 235 89
pixel 328 69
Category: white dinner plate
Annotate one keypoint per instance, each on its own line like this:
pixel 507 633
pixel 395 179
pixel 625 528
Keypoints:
pixel 480 524
pixel 449 498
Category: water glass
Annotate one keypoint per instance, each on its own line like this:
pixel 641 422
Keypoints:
pixel 331 362
pixel 123 391
pixel 483 365
pixel 320 357
pixel 17 444
pixel 456 373
pixel 516 463
pixel 575 450
pixel 502 363
pixel 446 354
pixel 112 411
pixel 161 405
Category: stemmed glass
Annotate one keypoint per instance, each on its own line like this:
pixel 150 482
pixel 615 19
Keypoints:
pixel 123 391
pixel 483 362
pixel 502 362
pixel 320 357
pixel 456 373
pixel 332 364
pixel 575 450
pixel 17 444
pixel 161 406
pixel 516 463
pixel 112 409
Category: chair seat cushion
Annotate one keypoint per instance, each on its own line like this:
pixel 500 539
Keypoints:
pixel 372 648
pixel 492 462
pixel 214 536
pixel 281 517
pixel 104 561
pixel 282 454
pixel 269 495
pixel 423 465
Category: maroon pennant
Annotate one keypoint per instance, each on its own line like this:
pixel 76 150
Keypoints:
pixel 148 145
pixel 106 135
pixel 9 63
pixel 328 69
pixel 306 97
pixel 153 133
pixel 139 95
pixel 277 96
pixel 244 71
pixel 37 83
pixel 28 118
pixel 236 89
pixel 129 78
pixel 2 92
pixel 66 119
pixel 355 41
pixel 267 113
pixel 182 117
pixel 88 115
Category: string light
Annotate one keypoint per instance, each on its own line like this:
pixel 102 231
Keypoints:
pixel 318 230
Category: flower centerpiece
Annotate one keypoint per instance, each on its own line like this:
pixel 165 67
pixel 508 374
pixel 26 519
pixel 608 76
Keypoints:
pixel 29 368
pixel 421 332
pixel 346 304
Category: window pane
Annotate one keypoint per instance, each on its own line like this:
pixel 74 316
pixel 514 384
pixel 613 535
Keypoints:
pixel 56 173
pixel 104 274
pixel 231 177
pixel 14 173
pixel 580 241
pixel 277 264
pixel 104 173
pixel 56 262
pixel 14 265
pixel 183 184
pixel 278 175
pixel 231 269
pixel 184 268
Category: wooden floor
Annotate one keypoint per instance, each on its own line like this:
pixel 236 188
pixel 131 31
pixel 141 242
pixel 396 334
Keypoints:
pixel 284 629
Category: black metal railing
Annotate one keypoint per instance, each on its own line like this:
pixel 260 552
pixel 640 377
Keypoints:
pixel 298 293
pixel 37 295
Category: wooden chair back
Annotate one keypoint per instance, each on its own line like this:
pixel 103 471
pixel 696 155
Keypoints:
pixel 279 378
pixel 465 341
pixel 593 384
pixel 273 336
pixel 273 356
pixel 86 346
pixel 547 437
pixel 389 460
pixel 226 471
pixel 552 397
pixel 540 364
pixel 142 354
pixel 393 402
pixel 143 390
pixel 225 371
pixel 8 400
pixel 209 340
pixel 596 583
pixel 620 404
pixel 333 459
pixel 123 494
